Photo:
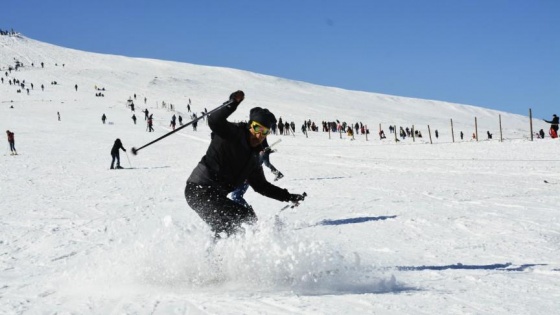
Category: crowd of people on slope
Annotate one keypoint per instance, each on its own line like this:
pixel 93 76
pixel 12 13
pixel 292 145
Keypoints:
pixel 21 85
pixel 10 32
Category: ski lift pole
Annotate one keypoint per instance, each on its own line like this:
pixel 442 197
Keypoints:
pixel 135 150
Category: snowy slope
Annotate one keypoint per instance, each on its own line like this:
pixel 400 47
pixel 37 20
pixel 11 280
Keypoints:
pixel 469 227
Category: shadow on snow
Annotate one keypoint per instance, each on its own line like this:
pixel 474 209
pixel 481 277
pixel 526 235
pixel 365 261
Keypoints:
pixel 355 220
pixel 505 267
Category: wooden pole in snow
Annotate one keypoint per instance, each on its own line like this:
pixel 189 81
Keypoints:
pixel 452 134
pixel 531 122
pixel 430 134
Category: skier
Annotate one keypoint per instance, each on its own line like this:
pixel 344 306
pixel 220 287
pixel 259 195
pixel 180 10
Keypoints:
pixel 115 153
pixel 553 126
pixel 103 118
pixel 11 141
pixel 195 122
pixel 180 120
pixel 150 123
pixel 58 114
pixel 264 158
pixel 134 118
pixel 232 158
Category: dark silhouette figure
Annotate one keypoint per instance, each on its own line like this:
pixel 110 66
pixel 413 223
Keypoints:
pixel 11 141
pixel 115 153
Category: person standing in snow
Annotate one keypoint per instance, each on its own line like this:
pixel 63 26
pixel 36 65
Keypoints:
pixel 11 141
pixel 231 159
pixel 195 122
pixel 553 126
pixel 103 118
pixel 134 118
pixel 115 153
pixel 150 123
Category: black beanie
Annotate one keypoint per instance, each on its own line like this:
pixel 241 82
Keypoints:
pixel 262 116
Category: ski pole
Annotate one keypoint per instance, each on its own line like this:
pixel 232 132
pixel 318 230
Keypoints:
pixel 135 150
pixel 128 159
pixel 293 205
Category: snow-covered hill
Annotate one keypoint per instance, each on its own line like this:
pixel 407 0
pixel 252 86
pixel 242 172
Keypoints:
pixel 388 228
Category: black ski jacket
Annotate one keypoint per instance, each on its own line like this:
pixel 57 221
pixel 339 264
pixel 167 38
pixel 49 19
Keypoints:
pixel 118 145
pixel 230 160
pixel 553 123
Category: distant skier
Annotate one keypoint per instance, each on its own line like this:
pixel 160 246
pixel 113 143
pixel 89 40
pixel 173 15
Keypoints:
pixel 11 141
pixel 541 133
pixel 115 153
pixel 180 120
pixel 58 114
pixel 103 118
pixel 264 158
pixel 134 118
pixel 150 123
pixel 146 114
pixel 194 122
pixel 553 126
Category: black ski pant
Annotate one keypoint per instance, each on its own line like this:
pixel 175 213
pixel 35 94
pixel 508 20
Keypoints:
pixel 12 146
pixel 217 210
pixel 116 157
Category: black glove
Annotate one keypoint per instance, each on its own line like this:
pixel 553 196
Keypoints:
pixel 297 198
pixel 237 97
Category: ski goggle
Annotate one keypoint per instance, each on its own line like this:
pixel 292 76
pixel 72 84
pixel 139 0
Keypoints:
pixel 260 129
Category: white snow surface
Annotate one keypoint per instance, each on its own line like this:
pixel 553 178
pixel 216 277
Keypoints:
pixel 463 227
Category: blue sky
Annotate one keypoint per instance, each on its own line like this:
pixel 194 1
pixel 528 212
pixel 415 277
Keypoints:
pixel 492 53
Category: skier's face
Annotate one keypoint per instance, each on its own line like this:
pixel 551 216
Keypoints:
pixel 257 134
